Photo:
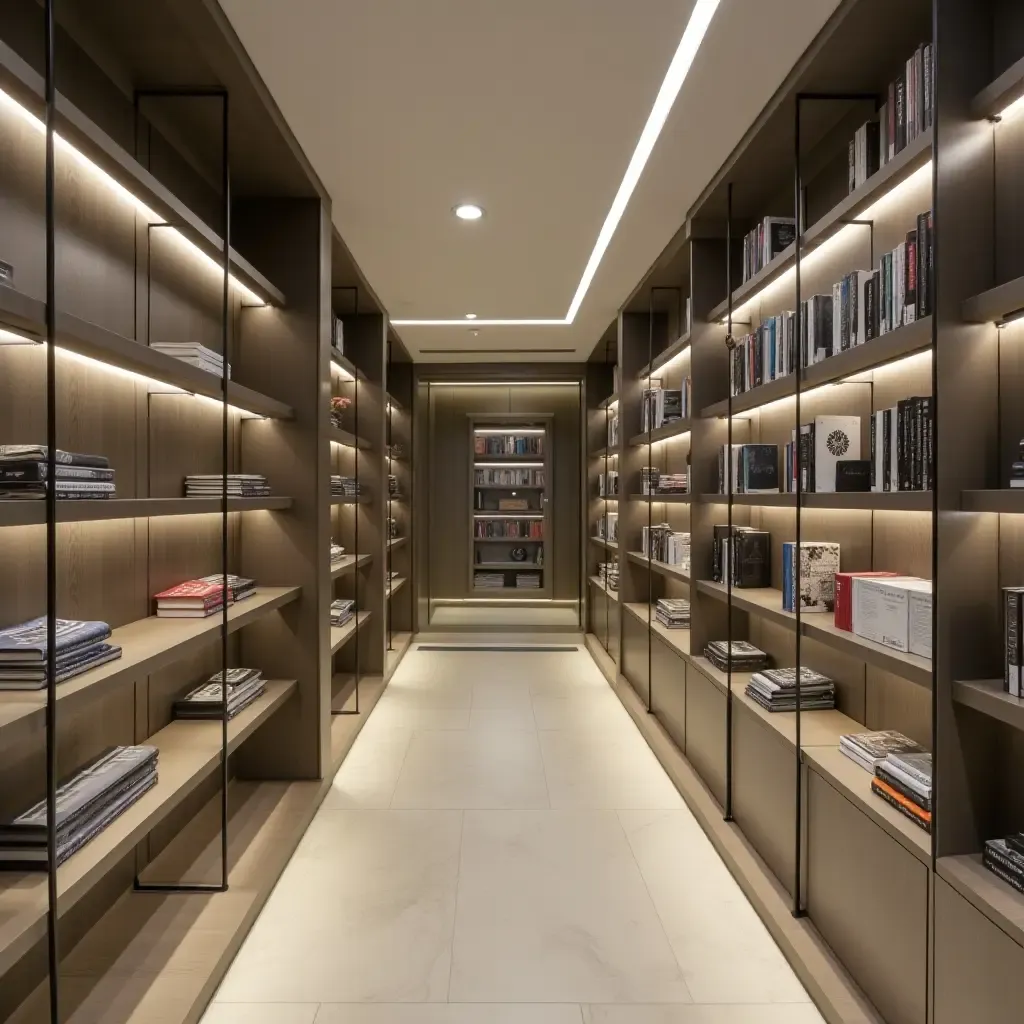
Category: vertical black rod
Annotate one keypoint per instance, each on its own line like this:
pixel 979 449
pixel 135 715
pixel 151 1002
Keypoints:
pixel 727 569
pixel 646 412
pixel 797 853
pixel 225 424
pixel 357 578
pixel 53 949
pixel 387 531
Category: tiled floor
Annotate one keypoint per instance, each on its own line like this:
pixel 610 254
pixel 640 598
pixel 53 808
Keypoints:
pixel 501 847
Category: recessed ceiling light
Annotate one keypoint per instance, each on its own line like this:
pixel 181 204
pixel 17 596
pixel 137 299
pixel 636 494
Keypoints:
pixel 468 211
pixel 471 316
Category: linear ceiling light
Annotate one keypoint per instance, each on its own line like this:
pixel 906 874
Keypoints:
pixel 693 36
pixel 116 187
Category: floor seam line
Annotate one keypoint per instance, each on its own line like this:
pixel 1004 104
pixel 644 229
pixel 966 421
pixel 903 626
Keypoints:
pixel 455 909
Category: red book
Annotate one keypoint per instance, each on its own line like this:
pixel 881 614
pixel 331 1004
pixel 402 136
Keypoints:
pixel 844 597
pixel 191 594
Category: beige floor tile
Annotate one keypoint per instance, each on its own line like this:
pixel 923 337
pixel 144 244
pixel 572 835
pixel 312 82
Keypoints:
pixel 399 716
pixel 503 718
pixel 501 694
pixel 452 1013
pixel 363 914
pixel 747 1014
pixel 604 770
pixel 725 952
pixel 588 711
pixel 552 907
pixel 369 774
pixel 478 768
pixel 260 1013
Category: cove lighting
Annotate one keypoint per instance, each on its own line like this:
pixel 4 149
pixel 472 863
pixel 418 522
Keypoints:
pixel 503 383
pixel 113 185
pixel 471 316
pixel 468 211
pixel 512 430
pixel 1015 108
pixel 14 338
pixel 693 36
pixel 507 465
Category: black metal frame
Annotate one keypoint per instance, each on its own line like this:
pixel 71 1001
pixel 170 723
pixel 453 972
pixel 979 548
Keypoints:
pixel 221 94
pixel 387 539
pixel 730 344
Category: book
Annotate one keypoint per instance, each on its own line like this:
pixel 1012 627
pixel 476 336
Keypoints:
pixel 1013 644
pixel 26 644
pixel 28 677
pixel 884 613
pixel 38 453
pixel 918 815
pixel 870 749
pixel 744 656
pixel 844 596
pixel 193 598
pixel 897 782
pixel 239 587
pixel 819 563
pixel 32 471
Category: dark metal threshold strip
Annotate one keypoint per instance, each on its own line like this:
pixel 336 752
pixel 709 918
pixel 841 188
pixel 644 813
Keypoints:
pixel 502 648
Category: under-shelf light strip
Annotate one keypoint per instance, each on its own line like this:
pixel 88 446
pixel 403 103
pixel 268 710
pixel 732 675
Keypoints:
pixel 840 238
pixel 123 193
pixel 509 465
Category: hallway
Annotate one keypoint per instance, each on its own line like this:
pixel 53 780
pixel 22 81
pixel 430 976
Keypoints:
pixel 501 847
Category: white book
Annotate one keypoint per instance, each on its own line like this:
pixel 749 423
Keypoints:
pixel 881 609
pixel 835 438
pixel 837 329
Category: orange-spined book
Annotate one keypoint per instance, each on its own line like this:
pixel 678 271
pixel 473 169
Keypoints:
pixel 916 814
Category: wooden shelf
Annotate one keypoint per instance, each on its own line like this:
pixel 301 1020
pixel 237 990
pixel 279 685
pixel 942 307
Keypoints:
pixel 897 170
pixel 663 499
pixel 346 438
pixel 678 639
pixel 525 566
pixel 613 594
pixel 509 487
pixel 661 568
pixel 609 401
pixel 340 635
pixel 676 429
pixel 395 653
pixel 604 453
pixel 358 499
pixel 508 458
pixel 189 753
pixel 676 348
pixel 988 697
pixel 349 563
pixel 397 542
pixel 987 892
pixel 605 497
pixel 147 645
pixel 21 512
pixel 102 150
pixel 998 95
pixel 1008 500
pixel 508 540
pixel 347 365
pixel 87 339
pixel 878 501
pixel 395 586
pixel 767 603
pixel 855 784
pixel 610 545
pixel 905 341
pixel 993 305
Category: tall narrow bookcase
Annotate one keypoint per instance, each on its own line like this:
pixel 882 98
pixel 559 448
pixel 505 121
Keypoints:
pixel 510 479
pixel 603 515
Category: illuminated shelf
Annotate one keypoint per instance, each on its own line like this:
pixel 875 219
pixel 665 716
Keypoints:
pixel 998 95
pixel 677 639
pixel 508 487
pixel 609 401
pixel 87 339
pixel 349 563
pixel 146 645
pixel 887 348
pixel 613 594
pixel 604 453
pixel 101 149
pixel 346 364
pixel 987 892
pixel 533 460
pixel 879 501
pixel 988 697
pixel 669 430
pixel 189 753
pixel 767 603
pixel 609 544
pixel 340 635
pixel 996 303
pixel 345 438
pixel 896 171
pixel 397 542
pixel 357 499
pixel 392 587
pixel 22 512
pixel 663 499
pixel 1009 501
pixel 677 348
pixel 508 540
pixel 661 568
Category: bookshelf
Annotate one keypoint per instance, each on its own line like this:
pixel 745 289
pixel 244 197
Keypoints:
pixel 825 861
pixel 140 261
pixel 511 527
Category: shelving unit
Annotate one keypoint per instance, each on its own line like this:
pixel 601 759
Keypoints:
pixel 400 605
pixel 497 503
pixel 821 845
pixel 135 266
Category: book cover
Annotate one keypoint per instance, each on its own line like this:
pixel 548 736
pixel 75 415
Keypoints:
pixel 1013 631
pixel 27 642
pixel 844 597
pixel 39 452
pixel 759 469
pixel 908 808
pixel 835 438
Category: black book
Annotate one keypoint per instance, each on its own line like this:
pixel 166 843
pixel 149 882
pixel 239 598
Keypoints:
pixel 901 113
pixel 923 290
pixel 34 471
pixel 901 787
pixel 872 151
pixel 750 552
pixel 823 314
pixel 38 453
pixel 870 303
pixel 1016 843
pixel 721 535
pixel 759 468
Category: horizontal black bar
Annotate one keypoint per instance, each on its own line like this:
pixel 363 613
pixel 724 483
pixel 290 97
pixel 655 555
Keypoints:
pixel 171 887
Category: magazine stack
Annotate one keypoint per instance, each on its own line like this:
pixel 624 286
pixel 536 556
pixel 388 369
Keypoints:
pixel 673 612
pixel 207 699
pixel 342 611
pixel 745 657
pixel 775 690
pixel 81 646
pixel 24 469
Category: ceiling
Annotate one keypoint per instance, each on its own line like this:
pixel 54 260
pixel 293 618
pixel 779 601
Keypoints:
pixel 531 109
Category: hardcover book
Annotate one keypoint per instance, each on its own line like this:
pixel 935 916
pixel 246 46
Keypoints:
pixel 870 749
pixel 26 644
pixel 819 563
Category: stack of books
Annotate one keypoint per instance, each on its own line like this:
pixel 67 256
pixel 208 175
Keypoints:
pixel 80 647
pixel 239 587
pixel 23 470
pixel 608 527
pixel 337 553
pixel 393 490
pixel 199 598
pixel 194 354
pixel 207 699
pixel 239 485
pixel 342 611
pixel 608 574
pixel 775 690
pixel 744 657
pixel 905 782
pixel 86 804
pixel 765 242
pixel 488 580
pixel 673 612
pixel 870 749
pixel 1005 858
pixel 528 580
pixel 663 544
pixel 653 481
pixel 345 487
pixel 660 406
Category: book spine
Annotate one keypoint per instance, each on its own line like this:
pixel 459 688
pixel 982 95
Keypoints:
pixel 902 808
pixel 1012 626
pixel 998 869
pixel 901 787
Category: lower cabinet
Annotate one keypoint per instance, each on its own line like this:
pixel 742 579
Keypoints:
pixel 668 689
pixel 979 969
pixel 868 897
pixel 705 731
pixel 634 655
